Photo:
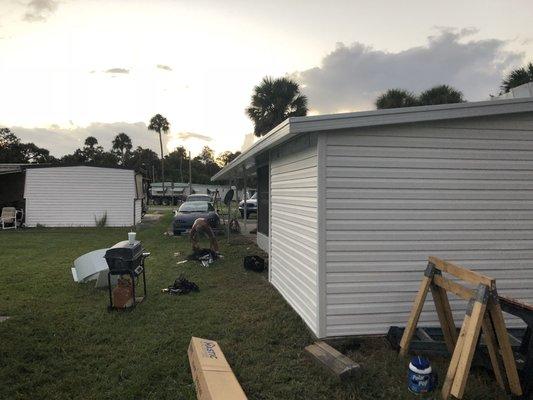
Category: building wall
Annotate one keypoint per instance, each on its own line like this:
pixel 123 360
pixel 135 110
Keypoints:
pixel 461 191
pixel 76 196
pixel 293 226
pixel 263 242
pixel 138 211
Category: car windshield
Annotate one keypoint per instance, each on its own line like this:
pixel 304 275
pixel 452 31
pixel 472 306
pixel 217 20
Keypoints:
pixel 254 196
pixel 194 206
pixel 202 197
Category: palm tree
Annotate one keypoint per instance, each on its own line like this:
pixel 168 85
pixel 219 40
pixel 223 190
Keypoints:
pixel 122 146
pixel 396 98
pixel 442 94
pixel 90 151
pixel 273 101
pixel 518 77
pixel 159 124
pixel 90 142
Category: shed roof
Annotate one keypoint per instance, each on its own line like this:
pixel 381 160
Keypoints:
pixel 329 122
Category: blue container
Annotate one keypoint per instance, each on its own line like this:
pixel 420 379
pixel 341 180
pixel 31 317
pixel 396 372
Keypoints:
pixel 421 380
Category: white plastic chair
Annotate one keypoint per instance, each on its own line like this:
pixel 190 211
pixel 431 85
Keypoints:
pixel 9 218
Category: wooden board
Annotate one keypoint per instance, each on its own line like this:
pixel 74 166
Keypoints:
pixel 334 361
pixel 492 346
pixel 505 346
pixel 415 315
pixel 445 323
pixel 469 347
pixel 454 362
pixel 461 272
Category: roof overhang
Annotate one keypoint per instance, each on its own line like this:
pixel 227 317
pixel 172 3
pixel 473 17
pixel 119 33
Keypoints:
pixel 331 122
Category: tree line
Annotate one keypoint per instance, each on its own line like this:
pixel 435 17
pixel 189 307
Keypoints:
pixel 121 154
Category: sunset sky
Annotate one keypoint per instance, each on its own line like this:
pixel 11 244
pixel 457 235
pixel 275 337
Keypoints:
pixel 74 68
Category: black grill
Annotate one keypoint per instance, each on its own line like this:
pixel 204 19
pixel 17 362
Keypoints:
pixel 124 257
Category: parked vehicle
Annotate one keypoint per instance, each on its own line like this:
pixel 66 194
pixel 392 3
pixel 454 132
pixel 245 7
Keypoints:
pixel 190 211
pixel 251 206
pixel 199 197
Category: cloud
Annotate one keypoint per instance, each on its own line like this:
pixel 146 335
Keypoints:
pixel 192 135
pixel 351 77
pixel 117 71
pixel 61 141
pixel 39 10
pixel 165 67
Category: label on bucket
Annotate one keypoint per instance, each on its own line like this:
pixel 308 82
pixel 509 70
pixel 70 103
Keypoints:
pixel 421 379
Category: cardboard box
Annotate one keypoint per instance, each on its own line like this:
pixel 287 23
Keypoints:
pixel 211 373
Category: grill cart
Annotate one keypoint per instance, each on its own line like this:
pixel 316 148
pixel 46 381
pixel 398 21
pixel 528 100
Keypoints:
pixel 125 258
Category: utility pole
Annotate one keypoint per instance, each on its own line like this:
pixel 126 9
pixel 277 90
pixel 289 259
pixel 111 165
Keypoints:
pixel 245 199
pixel 181 167
pixel 172 189
pixel 190 174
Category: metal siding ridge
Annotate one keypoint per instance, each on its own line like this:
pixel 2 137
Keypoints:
pixel 321 236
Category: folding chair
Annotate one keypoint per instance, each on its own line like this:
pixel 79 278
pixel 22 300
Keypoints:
pixel 9 218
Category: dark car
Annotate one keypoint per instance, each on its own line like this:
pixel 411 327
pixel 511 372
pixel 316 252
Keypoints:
pixel 190 211
pixel 251 206
pixel 199 197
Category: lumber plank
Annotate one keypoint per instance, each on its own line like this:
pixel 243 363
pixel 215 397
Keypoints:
pixel 454 287
pixel 505 346
pixel 443 318
pixel 415 315
pixel 454 362
pixel 492 346
pixel 461 272
pixel 334 361
pixel 469 347
pixel 423 335
pixel 449 315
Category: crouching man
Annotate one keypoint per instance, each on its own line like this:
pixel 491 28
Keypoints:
pixel 201 225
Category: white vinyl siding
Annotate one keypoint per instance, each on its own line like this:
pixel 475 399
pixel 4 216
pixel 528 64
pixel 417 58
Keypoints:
pixel 77 196
pixel 293 231
pixel 138 210
pixel 458 190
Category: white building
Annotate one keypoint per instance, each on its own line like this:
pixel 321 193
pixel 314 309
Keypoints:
pixel 79 196
pixel 351 206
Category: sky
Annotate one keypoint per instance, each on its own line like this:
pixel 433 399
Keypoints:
pixel 74 68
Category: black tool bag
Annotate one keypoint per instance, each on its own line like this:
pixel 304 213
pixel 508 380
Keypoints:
pixel 183 286
pixel 254 263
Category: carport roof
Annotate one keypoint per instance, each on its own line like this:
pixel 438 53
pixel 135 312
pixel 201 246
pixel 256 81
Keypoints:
pixel 11 168
pixel 294 126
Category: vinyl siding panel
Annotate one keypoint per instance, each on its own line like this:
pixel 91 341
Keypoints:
pixel 293 235
pixel 76 196
pixel 461 191
pixel 138 211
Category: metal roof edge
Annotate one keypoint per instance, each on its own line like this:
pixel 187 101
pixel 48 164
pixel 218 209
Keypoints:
pixel 270 139
pixel 411 114
pixel 296 125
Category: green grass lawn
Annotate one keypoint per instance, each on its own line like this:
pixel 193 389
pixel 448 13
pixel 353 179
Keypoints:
pixel 62 343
